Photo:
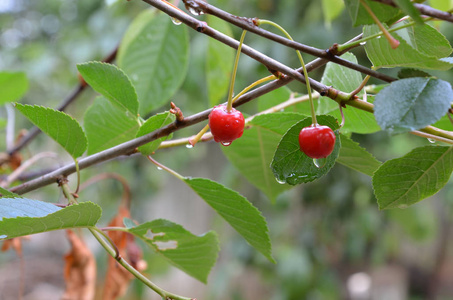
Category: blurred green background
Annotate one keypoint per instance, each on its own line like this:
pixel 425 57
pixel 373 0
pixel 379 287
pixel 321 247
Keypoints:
pixel 329 238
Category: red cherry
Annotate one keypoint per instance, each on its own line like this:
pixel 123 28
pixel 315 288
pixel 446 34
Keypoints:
pixel 317 141
pixel 226 126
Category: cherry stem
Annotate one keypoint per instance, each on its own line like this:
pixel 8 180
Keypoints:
pixel 342 116
pixel 233 74
pixel 394 43
pixel 159 165
pixel 345 46
pixel 361 86
pixel 195 139
pixel 251 86
pixel 78 175
pixel 299 55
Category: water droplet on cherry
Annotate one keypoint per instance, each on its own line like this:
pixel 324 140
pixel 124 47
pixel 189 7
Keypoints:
pixel 226 144
pixel 319 162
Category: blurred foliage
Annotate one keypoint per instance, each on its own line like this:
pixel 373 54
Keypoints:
pixel 321 232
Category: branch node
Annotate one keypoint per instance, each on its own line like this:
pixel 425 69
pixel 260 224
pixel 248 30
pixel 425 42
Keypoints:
pixel 201 27
pixel 177 112
pixel 62 180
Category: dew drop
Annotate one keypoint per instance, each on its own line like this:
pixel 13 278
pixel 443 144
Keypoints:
pixel 226 144
pixel 362 43
pixel 195 11
pixel 280 181
pixel 431 141
pixel 176 21
pixel 319 162
pixel 159 168
pixel 189 146
pixel 379 37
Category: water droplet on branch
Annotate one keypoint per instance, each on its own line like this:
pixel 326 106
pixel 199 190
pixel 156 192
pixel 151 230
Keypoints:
pixel 176 21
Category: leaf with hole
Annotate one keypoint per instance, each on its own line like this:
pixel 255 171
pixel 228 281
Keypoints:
pixel 21 216
pixel 112 83
pixel 13 86
pixel 245 218
pixel 60 126
pixel 252 154
pixel 155 55
pixel 195 255
pixel 357 158
pixel 153 123
pixel 108 125
pixel 292 166
pixel 412 103
pixel 409 179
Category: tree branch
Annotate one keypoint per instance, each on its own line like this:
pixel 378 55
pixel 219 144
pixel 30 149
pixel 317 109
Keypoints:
pixel 249 25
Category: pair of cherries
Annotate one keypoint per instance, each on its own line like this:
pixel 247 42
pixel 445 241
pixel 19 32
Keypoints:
pixel 315 141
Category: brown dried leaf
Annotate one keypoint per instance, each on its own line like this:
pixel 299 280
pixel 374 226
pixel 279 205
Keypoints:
pixel 118 279
pixel 15 243
pixel 80 270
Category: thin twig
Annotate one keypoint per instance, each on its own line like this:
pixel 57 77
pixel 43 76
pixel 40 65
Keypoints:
pixel 25 165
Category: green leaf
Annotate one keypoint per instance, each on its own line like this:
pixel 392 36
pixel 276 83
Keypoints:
pixel 153 123
pixel 219 63
pixel 416 54
pixel 112 83
pixel 407 180
pixel 409 73
pixel 252 154
pixel 360 16
pixel 346 80
pixel 357 158
pixel 22 216
pixel 331 9
pixel 61 127
pixel 195 255
pixel 245 218
pixel 13 86
pixel 107 125
pixel 292 166
pixel 409 9
pixel 155 54
pixel 8 194
pixel 413 103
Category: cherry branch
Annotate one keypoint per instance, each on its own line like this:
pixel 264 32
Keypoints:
pixel 249 25
pixel 425 10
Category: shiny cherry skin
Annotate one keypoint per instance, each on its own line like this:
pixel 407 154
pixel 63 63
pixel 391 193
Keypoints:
pixel 226 126
pixel 317 141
